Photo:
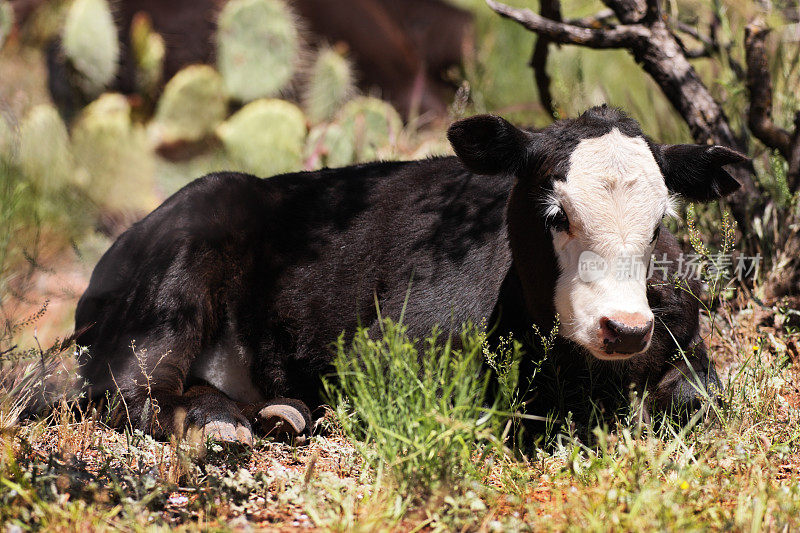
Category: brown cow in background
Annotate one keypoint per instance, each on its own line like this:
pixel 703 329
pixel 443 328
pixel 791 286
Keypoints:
pixel 403 48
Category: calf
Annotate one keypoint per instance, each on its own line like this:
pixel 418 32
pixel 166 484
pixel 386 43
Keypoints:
pixel 218 309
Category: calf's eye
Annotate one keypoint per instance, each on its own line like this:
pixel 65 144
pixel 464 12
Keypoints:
pixel 558 220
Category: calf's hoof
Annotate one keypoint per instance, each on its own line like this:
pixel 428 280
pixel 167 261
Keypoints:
pixel 227 433
pixel 285 417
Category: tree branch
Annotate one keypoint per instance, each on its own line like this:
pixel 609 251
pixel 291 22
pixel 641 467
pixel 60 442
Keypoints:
pixel 661 55
pixel 596 21
pixel 759 85
pixel 710 47
pixel 652 12
pixel 550 9
pixel 560 32
pixel 793 176
pixel 628 11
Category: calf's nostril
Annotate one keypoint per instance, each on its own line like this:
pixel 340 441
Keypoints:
pixel 621 337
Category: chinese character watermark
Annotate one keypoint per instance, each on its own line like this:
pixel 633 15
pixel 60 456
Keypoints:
pixel 593 267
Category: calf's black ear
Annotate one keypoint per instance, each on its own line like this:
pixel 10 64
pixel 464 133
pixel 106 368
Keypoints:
pixel 695 171
pixel 488 144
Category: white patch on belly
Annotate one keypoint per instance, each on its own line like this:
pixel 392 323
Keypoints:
pixel 227 367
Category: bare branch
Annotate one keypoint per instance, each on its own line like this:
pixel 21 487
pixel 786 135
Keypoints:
pixel 759 85
pixel 711 46
pixel 560 32
pixel 550 9
pixel 793 176
pixel 628 11
pixel 691 31
pixel 598 20
pixel 697 53
pixel 656 48
pixel 653 11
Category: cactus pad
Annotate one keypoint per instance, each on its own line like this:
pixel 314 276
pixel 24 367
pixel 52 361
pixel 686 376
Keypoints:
pixel 44 154
pixel 6 21
pixel 192 105
pixel 258 47
pixel 265 137
pixel 6 139
pixel 328 145
pixel 374 126
pixel 148 52
pixel 329 85
pixel 117 166
pixel 90 43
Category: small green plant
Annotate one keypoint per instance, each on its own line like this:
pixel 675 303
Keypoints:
pixel 265 137
pixel 90 42
pixel 505 359
pixel 416 406
pixel 258 47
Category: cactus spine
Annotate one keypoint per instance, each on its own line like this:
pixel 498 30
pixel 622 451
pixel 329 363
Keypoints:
pixel 265 137
pixel 258 47
pixel 90 43
pixel 329 85
pixel 192 105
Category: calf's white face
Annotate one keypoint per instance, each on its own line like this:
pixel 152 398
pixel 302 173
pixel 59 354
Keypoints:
pixel 605 189
pixel 607 213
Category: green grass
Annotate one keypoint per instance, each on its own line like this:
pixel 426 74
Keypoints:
pixel 410 444
pixel 413 441
pixel 416 408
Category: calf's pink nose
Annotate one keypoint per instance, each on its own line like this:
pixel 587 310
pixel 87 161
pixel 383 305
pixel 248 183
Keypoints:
pixel 625 333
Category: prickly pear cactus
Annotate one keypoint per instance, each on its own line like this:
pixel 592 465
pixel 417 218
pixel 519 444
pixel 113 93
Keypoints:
pixel 148 53
pixel 44 154
pixel 374 126
pixel 6 21
pixel 116 165
pixel 329 85
pixel 192 105
pixel 432 148
pixel 265 137
pixel 328 145
pixel 6 139
pixel 258 47
pixel 90 43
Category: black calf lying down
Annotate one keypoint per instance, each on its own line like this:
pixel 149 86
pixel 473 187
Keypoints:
pixel 220 306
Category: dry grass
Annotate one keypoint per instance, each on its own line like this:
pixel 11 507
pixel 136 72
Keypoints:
pixel 737 470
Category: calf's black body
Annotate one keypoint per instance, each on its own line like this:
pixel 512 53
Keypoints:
pixel 267 273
